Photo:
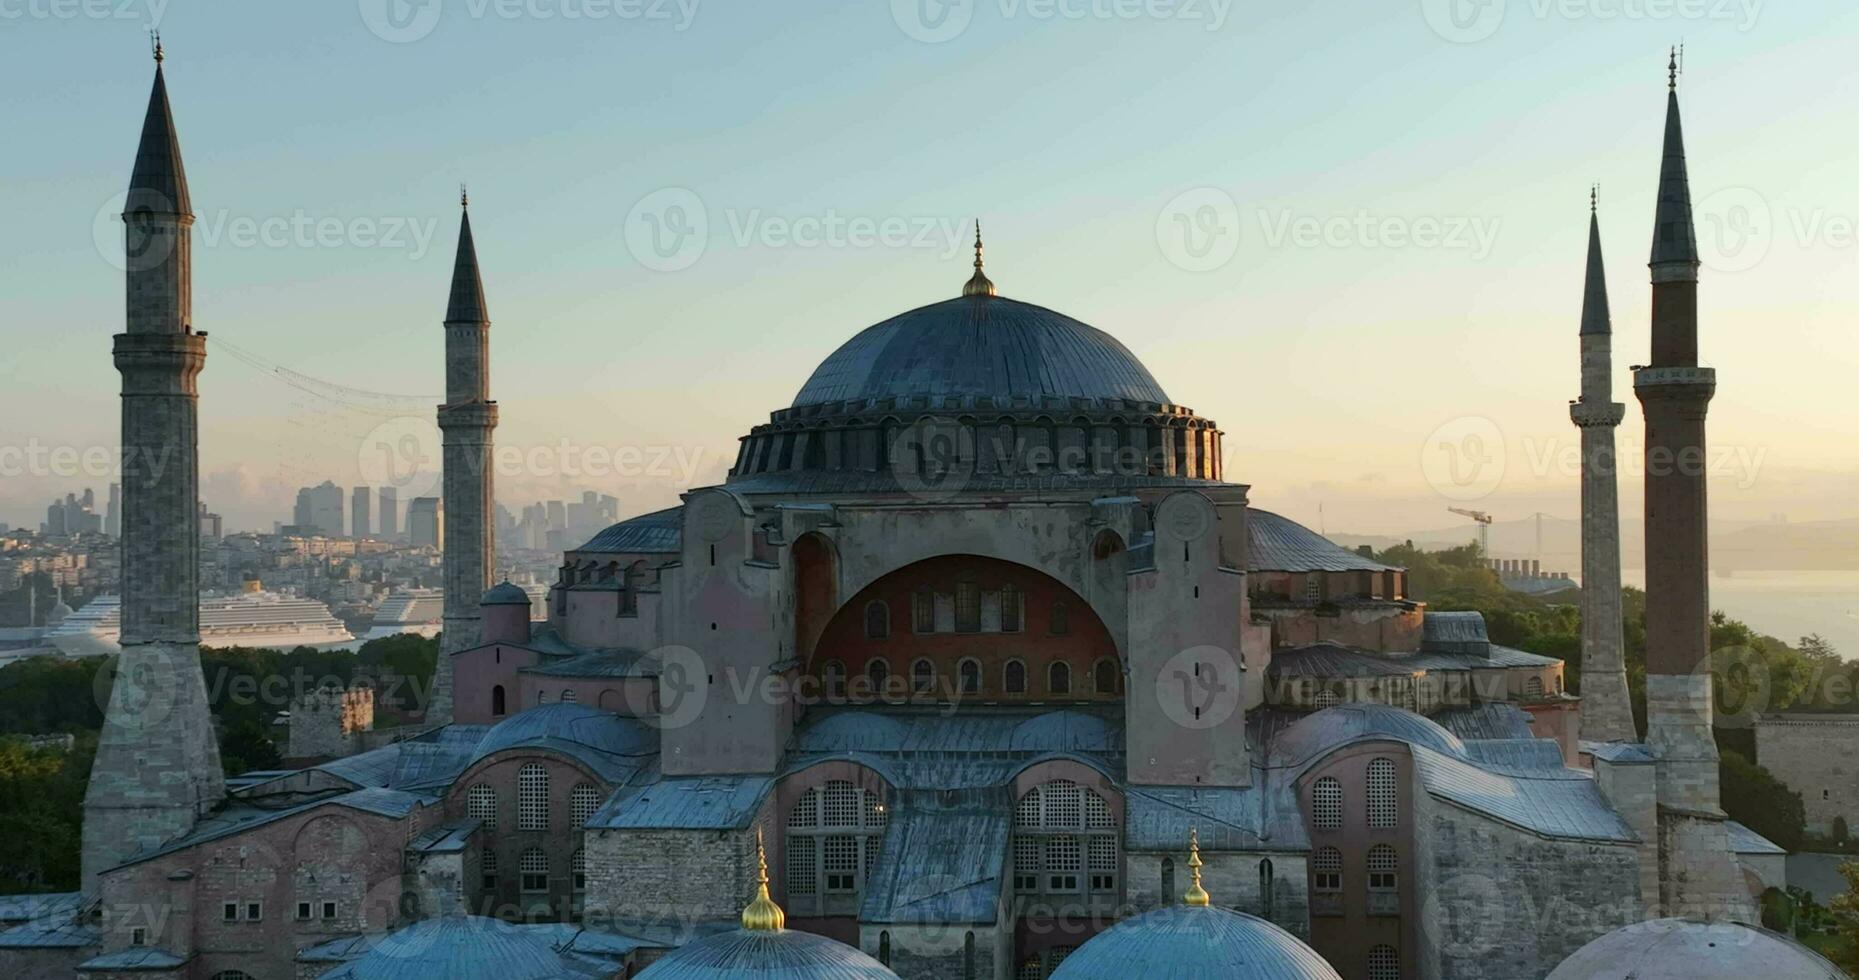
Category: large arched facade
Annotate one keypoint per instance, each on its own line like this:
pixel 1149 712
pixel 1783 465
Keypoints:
pixel 967 627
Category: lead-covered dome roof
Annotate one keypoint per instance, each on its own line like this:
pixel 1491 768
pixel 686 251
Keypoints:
pixel 1195 942
pixel 754 954
pixel 1688 949
pixel 980 346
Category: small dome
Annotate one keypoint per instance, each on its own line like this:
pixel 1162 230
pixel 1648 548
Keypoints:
pixel 988 345
pixel 458 947
pixel 753 954
pixel 1195 942
pixel 1688 949
pixel 505 594
pixel 59 613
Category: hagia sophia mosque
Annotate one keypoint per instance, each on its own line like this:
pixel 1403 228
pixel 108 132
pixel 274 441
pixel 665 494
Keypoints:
pixel 979 666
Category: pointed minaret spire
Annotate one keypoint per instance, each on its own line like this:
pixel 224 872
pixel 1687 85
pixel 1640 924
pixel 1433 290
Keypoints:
pixel 1595 318
pixel 158 182
pixel 1675 237
pixel 467 303
pixel 978 284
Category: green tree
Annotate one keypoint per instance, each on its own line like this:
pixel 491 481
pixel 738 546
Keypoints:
pixel 41 814
pixel 1845 909
pixel 1753 797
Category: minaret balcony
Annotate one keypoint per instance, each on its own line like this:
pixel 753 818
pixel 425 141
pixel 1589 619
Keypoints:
pixel 1586 413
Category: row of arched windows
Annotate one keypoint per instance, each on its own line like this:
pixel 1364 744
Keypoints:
pixel 1064 841
pixel 833 834
pixel 532 801
pixel 1383 804
pixel 878 681
pixel 1326 869
pixel 967 610
pixel 532 868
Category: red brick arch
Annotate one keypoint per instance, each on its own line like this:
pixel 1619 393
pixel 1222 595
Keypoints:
pixel 1083 642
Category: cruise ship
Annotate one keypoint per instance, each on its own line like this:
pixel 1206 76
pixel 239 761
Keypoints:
pixel 267 620
pixel 420 611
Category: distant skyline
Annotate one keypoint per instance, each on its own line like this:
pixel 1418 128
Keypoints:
pixel 1351 237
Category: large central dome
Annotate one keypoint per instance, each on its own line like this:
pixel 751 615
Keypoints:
pixel 981 345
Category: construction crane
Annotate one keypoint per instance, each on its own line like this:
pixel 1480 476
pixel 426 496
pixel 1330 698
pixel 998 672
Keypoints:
pixel 1484 528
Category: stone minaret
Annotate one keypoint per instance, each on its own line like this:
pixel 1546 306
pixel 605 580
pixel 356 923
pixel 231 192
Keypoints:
pixel 1697 871
pixel 467 419
pixel 157 768
pixel 1606 712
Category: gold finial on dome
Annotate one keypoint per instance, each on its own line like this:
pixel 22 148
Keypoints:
pixel 1196 894
pixel 762 915
pixel 978 284
pixel 155 39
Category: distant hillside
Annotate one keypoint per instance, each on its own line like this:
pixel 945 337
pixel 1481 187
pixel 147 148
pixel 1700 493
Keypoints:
pixel 1808 546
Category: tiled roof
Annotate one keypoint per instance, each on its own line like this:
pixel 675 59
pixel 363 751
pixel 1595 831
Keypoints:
pixel 659 532
pixel 1493 719
pixel 941 862
pixel 1746 841
pixel 1262 816
pixel 1563 804
pixel 55 930
pixel 134 959
pixel 447 838
pixel 24 908
pixel 1619 753
pixel 597 663
pixel 1281 545
pixel 1454 632
pixel 980 347
pixel 685 803
pixel 1329 659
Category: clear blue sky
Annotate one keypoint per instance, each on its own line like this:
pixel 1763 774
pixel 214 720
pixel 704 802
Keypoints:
pixel 1329 362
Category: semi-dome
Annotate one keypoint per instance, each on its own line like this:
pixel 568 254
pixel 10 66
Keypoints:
pixel 981 346
pixel 1689 949
pixel 458 947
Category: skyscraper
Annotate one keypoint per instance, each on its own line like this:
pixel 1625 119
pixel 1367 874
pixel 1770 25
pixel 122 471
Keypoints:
pixel 359 524
pixel 390 512
pixel 113 516
pixel 425 522
pixel 320 507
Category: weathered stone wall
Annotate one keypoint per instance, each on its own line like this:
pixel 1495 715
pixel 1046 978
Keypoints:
pixel 43 964
pixel 1235 879
pixel 692 875
pixel 1500 903
pixel 324 723
pixel 1818 757
pixel 941 952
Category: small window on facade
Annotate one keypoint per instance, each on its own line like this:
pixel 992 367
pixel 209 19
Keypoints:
pixel 1384 963
pixel 497 702
pixel 877 620
pixel 833 679
pixel 577 866
pixel 923 676
pixel 1061 618
pixel 1105 677
pixel 1010 609
pixel 532 797
pixel 1168 882
pixel 254 912
pixel 1326 868
pixel 534 868
pixel 329 910
pixel 481 805
pixel 1533 687
pixel 303 910
pixel 1313 587
pixel 971 676
pixel 229 912
pixel 923 611
pixel 487 871
pixel 879 673
pixel 1059 678
pixel 138 936
pixel 1326 804
pixel 569 696
pixel 967 607
pixel 1013 677
pixel 1382 868
pixel 1381 794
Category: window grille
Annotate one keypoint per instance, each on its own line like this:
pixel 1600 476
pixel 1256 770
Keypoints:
pixel 1062 863
pixel 1026 864
pixel 971 677
pixel 583 800
pixel 1026 812
pixel 923 676
pixel 833 837
pixel 1327 870
pixel 1059 678
pixel 1326 803
pixel 1065 840
pixel 967 607
pixel 802 865
pixel 1384 963
pixel 569 696
pixel 577 866
pixel 923 611
pixel 1013 677
pixel 839 859
pixel 532 798
pixel 481 805
pixel 487 870
pixel 1381 794
pixel 1010 609
pixel 1327 698
pixel 1382 865
pixel 534 868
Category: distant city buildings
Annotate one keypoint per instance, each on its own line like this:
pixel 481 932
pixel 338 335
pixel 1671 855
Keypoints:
pixel 320 507
pixel 360 501
pixel 113 516
pixel 426 522
pixel 73 515
pixel 390 513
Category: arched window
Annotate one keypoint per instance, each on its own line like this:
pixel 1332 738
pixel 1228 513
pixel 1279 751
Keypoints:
pixel 497 700
pixel 1326 804
pixel 1383 873
pixel 970 672
pixel 569 696
pixel 1064 840
pixel 1382 803
pixel 577 867
pixel 1013 677
pixel 968 956
pixel 923 676
pixel 884 947
pixel 534 869
pixel 878 672
pixel 532 797
pixel 481 805
pixel 1010 609
pixel 1031 968
pixel 1326 870
pixel 833 679
pixel 1061 618
pixel 583 800
pixel 877 620
pixel 487 870
pixel 629 584
pixel 1327 698
pixel 1384 963
pixel 1266 874
pixel 1059 678
pixel 923 611
pixel 1169 897
pixel 1104 676
pixel 1533 687
pixel 833 833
